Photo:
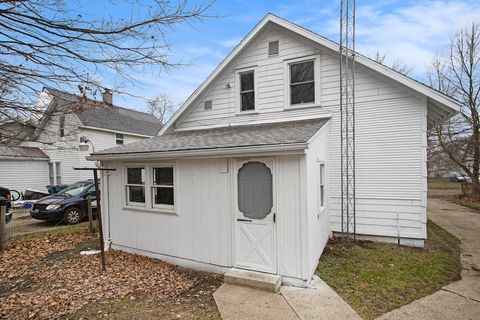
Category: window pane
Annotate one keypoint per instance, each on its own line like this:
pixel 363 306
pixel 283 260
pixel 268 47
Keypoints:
pixel 246 81
pixel 248 101
pixel 119 142
pixel 163 195
pixel 163 176
pixel 136 194
pixel 301 72
pixel 302 93
pixel 255 193
pixel 135 175
pixel 58 171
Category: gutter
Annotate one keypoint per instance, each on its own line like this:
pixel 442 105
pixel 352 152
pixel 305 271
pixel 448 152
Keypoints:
pixel 295 148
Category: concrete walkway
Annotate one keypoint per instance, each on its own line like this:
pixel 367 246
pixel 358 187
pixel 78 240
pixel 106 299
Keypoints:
pixel 461 299
pixel 318 302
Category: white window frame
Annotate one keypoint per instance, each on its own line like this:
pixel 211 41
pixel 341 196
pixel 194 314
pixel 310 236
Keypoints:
pixel 119 139
pixel 127 185
pixel 316 78
pixel 152 186
pixel 149 205
pixel 58 172
pixel 321 192
pixel 238 97
pixel 51 173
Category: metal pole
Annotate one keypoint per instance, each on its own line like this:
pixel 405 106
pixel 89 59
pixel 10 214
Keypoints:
pixel 341 116
pixel 90 214
pixel 3 228
pixel 99 217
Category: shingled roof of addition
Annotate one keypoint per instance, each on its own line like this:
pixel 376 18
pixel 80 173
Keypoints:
pixel 101 115
pixel 281 133
pixel 10 152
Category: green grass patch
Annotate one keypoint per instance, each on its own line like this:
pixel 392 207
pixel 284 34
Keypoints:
pixel 443 184
pixel 376 278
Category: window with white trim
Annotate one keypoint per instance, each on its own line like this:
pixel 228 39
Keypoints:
pixel 247 91
pixel 119 138
pixel 302 82
pixel 61 127
pixel 135 187
pixel 51 173
pixel 58 172
pixel 273 48
pixel 163 192
pixel 321 185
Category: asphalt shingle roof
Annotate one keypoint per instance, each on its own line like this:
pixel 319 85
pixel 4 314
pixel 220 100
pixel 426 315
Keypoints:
pixel 226 137
pixel 21 152
pixel 100 115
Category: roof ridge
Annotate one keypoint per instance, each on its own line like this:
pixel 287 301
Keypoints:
pixel 97 101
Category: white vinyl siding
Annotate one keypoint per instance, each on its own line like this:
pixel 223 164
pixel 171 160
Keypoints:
pixel 21 175
pixel 391 130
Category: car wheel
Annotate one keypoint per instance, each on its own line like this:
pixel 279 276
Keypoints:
pixel 73 215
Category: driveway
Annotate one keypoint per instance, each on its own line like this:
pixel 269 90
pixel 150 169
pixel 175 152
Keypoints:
pixel 22 224
pixel 461 299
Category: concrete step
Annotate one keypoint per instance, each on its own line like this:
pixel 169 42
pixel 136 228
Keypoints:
pixel 251 279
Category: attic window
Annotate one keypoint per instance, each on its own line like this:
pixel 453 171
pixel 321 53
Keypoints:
pixel 208 105
pixel 62 126
pixel 273 48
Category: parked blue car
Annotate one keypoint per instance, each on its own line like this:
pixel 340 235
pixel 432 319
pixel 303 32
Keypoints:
pixel 69 205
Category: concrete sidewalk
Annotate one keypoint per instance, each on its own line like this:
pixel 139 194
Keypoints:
pixel 461 299
pixel 318 302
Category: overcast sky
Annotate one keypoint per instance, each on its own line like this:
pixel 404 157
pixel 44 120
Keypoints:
pixel 412 31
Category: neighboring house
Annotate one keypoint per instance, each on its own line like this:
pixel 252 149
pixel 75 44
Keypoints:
pixel 69 117
pixel 23 168
pixel 247 173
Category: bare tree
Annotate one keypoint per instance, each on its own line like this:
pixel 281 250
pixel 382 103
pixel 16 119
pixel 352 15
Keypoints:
pixel 458 74
pixel 161 107
pixel 51 43
pixel 397 64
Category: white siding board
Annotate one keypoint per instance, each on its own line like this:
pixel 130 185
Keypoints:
pixel 21 175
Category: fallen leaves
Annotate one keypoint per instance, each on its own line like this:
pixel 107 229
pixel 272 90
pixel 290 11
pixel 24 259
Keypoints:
pixel 46 277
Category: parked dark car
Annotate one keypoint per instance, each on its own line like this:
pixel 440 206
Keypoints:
pixel 69 205
pixel 6 196
pixel 457 178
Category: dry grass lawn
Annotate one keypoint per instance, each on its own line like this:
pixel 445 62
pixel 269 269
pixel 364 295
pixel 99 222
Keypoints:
pixel 43 276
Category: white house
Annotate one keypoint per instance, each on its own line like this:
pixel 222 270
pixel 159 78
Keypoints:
pixel 69 117
pixel 247 173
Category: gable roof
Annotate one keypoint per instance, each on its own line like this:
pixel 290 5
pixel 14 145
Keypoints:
pixel 280 134
pixel 17 153
pixel 98 114
pixel 445 106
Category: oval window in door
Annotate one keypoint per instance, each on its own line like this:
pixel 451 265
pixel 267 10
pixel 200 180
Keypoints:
pixel 255 193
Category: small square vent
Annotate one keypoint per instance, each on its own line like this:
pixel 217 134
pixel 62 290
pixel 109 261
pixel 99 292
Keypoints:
pixel 208 104
pixel 273 48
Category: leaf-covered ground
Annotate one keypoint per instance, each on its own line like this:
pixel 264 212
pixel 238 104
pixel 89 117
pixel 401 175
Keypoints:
pixel 375 278
pixel 45 277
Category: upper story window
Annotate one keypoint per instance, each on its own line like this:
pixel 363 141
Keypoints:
pixel 62 126
pixel 302 82
pixel 247 91
pixel 273 47
pixel 119 138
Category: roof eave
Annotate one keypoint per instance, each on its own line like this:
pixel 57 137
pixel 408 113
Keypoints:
pixel 293 148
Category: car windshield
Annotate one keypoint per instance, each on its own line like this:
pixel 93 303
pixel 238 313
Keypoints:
pixel 75 189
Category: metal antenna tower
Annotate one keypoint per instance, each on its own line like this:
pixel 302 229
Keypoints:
pixel 347 116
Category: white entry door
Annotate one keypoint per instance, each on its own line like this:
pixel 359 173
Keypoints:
pixel 255 215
